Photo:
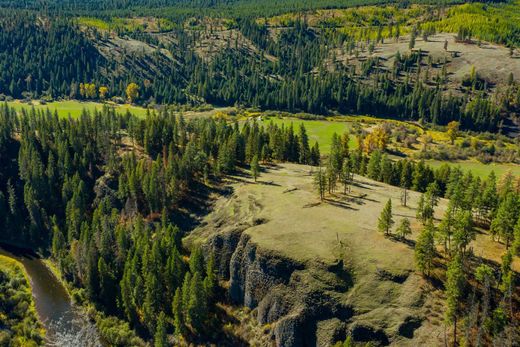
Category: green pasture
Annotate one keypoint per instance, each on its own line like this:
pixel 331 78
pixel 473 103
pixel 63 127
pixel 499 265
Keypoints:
pixel 318 130
pixel 480 169
pixel 74 108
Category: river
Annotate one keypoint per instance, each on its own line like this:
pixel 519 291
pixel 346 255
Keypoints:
pixel 65 326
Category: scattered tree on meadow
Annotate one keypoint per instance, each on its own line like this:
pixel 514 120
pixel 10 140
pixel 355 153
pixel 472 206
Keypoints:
pixel 424 209
pixel 447 227
pixel 404 229
pixel 255 167
pixel 413 37
pixel 404 196
pixel 464 231
pixel 425 248
pixel 320 182
pixel 455 281
pixel 315 156
pixel 385 221
pixel 303 146
pixel 346 176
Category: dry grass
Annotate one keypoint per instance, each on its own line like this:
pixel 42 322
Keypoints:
pixel 296 225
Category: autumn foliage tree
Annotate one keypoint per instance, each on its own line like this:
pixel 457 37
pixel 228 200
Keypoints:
pixel 132 92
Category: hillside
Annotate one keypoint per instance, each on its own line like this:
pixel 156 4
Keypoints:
pixel 359 61
pixel 315 272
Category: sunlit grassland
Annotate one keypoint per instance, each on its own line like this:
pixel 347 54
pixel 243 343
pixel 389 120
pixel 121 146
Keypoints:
pixel 74 108
pixel 480 169
pixel 490 22
pixel 322 131
pixel 495 22
pixel 127 24
pixel 317 130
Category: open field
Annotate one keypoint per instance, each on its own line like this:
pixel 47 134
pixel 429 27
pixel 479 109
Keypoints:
pixel 74 108
pixel 318 130
pixel 322 131
pixel 283 218
pixel 480 169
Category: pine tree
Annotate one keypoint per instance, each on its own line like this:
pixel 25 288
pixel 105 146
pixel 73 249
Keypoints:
pixel 152 301
pixel 210 282
pixel 197 261
pixel 178 313
pixel 160 338
pixel 504 223
pixel 454 291
pixel 506 273
pixel 197 304
pixel 404 197
pixel 346 176
pixel 464 232
pixel 320 183
pixel 432 194
pixel 315 157
pixel 386 170
pixel 303 146
pixel 447 227
pixel 404 228
pixel 386 221
pixel 255 167
pixel 374 165
pixel 489 196
pixel 185 296
pixel 425 248
pixel 413 37
pixel 516 242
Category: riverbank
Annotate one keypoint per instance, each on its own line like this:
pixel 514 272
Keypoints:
pixel 18 316
pixel 64 323
pixel 68 317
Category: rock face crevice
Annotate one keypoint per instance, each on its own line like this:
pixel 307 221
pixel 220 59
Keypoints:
pixel 253 274
pixel 291 296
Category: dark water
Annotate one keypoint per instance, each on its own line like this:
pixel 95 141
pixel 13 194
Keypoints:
pixel 64 325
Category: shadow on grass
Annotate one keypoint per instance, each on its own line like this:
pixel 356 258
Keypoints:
pixel 269 183
pixel 190 210
pixel 340 204
pixel 408 242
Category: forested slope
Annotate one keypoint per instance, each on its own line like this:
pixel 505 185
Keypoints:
pixel 303 65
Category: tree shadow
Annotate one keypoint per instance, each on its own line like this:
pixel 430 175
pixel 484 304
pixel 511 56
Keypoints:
pixel 340 204
pixel 269 183
pixel 394 238
pixel 190 210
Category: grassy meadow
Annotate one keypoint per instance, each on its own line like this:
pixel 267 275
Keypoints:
pixel 318 130
pixel 74 108
pixel 480 169
pixel 322 131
